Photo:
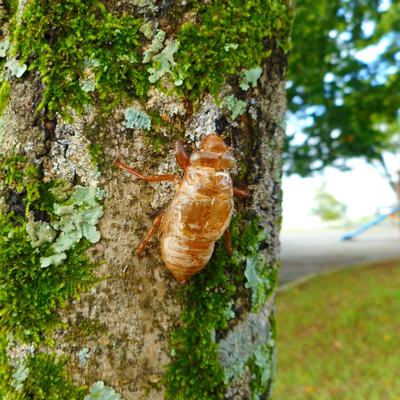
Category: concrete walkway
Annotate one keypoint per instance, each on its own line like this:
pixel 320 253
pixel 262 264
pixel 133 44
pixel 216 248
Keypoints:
pixel 308 252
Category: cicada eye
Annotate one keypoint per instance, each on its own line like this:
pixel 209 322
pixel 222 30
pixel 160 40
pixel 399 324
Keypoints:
pixel 227 161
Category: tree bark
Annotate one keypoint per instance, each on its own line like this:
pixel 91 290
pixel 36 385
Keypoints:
pixel 129 326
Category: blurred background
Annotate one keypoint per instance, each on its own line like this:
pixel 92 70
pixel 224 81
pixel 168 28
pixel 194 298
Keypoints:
pixel 338 306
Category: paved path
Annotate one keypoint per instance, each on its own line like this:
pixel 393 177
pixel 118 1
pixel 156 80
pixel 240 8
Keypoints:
pixel 308 252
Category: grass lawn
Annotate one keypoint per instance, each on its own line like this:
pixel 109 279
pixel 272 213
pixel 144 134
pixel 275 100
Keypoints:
pixel 339 336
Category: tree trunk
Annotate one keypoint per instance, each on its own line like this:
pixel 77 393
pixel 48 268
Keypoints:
pixel 84 83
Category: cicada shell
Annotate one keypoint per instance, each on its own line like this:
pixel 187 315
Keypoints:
pixel 201 210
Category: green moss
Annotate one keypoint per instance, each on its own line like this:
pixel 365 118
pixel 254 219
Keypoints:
pixel 5 369
pixel 29 293
pixel 11 6
pixel 85 328
pixel 4 95
pixel 82 50
pixel 46 379
pixel 96 153
pixel 195 372
pixel 80 32
pixel 231 37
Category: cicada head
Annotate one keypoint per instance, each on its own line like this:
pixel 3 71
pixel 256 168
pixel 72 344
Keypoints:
pixel 213 143
pixel 213 153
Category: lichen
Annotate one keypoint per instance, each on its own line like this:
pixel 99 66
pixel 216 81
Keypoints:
pixel 238 107
pixel 203 121
pixel 261 277
pixel 78 219
pixel 147 29
pixel 263 365
pixel 247 340
pixel 30 293
pixel 156 46
pixel 39 232
pixel 99 391
pixel 70 154
pixel 162 64
pixel 16 68
pixel 17 354
pixel 83 355
pixel 88 86
pixel 41 377
pixel 137 119
pixel 249 76
pixel 4 46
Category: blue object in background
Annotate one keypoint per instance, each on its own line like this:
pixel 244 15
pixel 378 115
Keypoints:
pixel 363 228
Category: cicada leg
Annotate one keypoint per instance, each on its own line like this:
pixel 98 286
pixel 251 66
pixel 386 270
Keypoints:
pixel 244 192
pixel 182 158
pixel 227 240
pixel 142 245
pixel 148 178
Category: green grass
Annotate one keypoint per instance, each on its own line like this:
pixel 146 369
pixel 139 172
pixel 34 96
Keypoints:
pixel 339 336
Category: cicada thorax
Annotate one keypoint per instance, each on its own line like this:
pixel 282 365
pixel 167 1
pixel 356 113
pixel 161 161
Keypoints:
pixel 196 218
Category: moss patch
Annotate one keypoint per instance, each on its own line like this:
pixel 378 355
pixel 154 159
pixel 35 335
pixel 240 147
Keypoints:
pixel 195 372
pixel 232 36
pixel 46 379
pixel 73 40
pixel 4 95
pixel 30 293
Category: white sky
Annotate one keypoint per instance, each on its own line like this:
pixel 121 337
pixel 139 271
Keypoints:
pixel 363 190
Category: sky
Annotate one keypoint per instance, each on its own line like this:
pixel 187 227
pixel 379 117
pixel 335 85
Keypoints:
pixel 362 189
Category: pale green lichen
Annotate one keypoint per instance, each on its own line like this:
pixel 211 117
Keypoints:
pixel 91 62
pixel 4 46
pixel 249 76
pixel 163 63
pixel 243 343
pixel 20 374
pixel 83 355
pixel 100 392
pixel 229 314
pixel 137 119
pixel 96 175
pixel 17 357
pixel 78 220
pixel 147 29
pixel 255 266
pixel 229 46
pixel 130 58
pixel 88 86
pixel 258 275
pixel 15 68
pixel 39 232
pixel 62 191
pixel 262 357
pixel 237 107
pixel 156 46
